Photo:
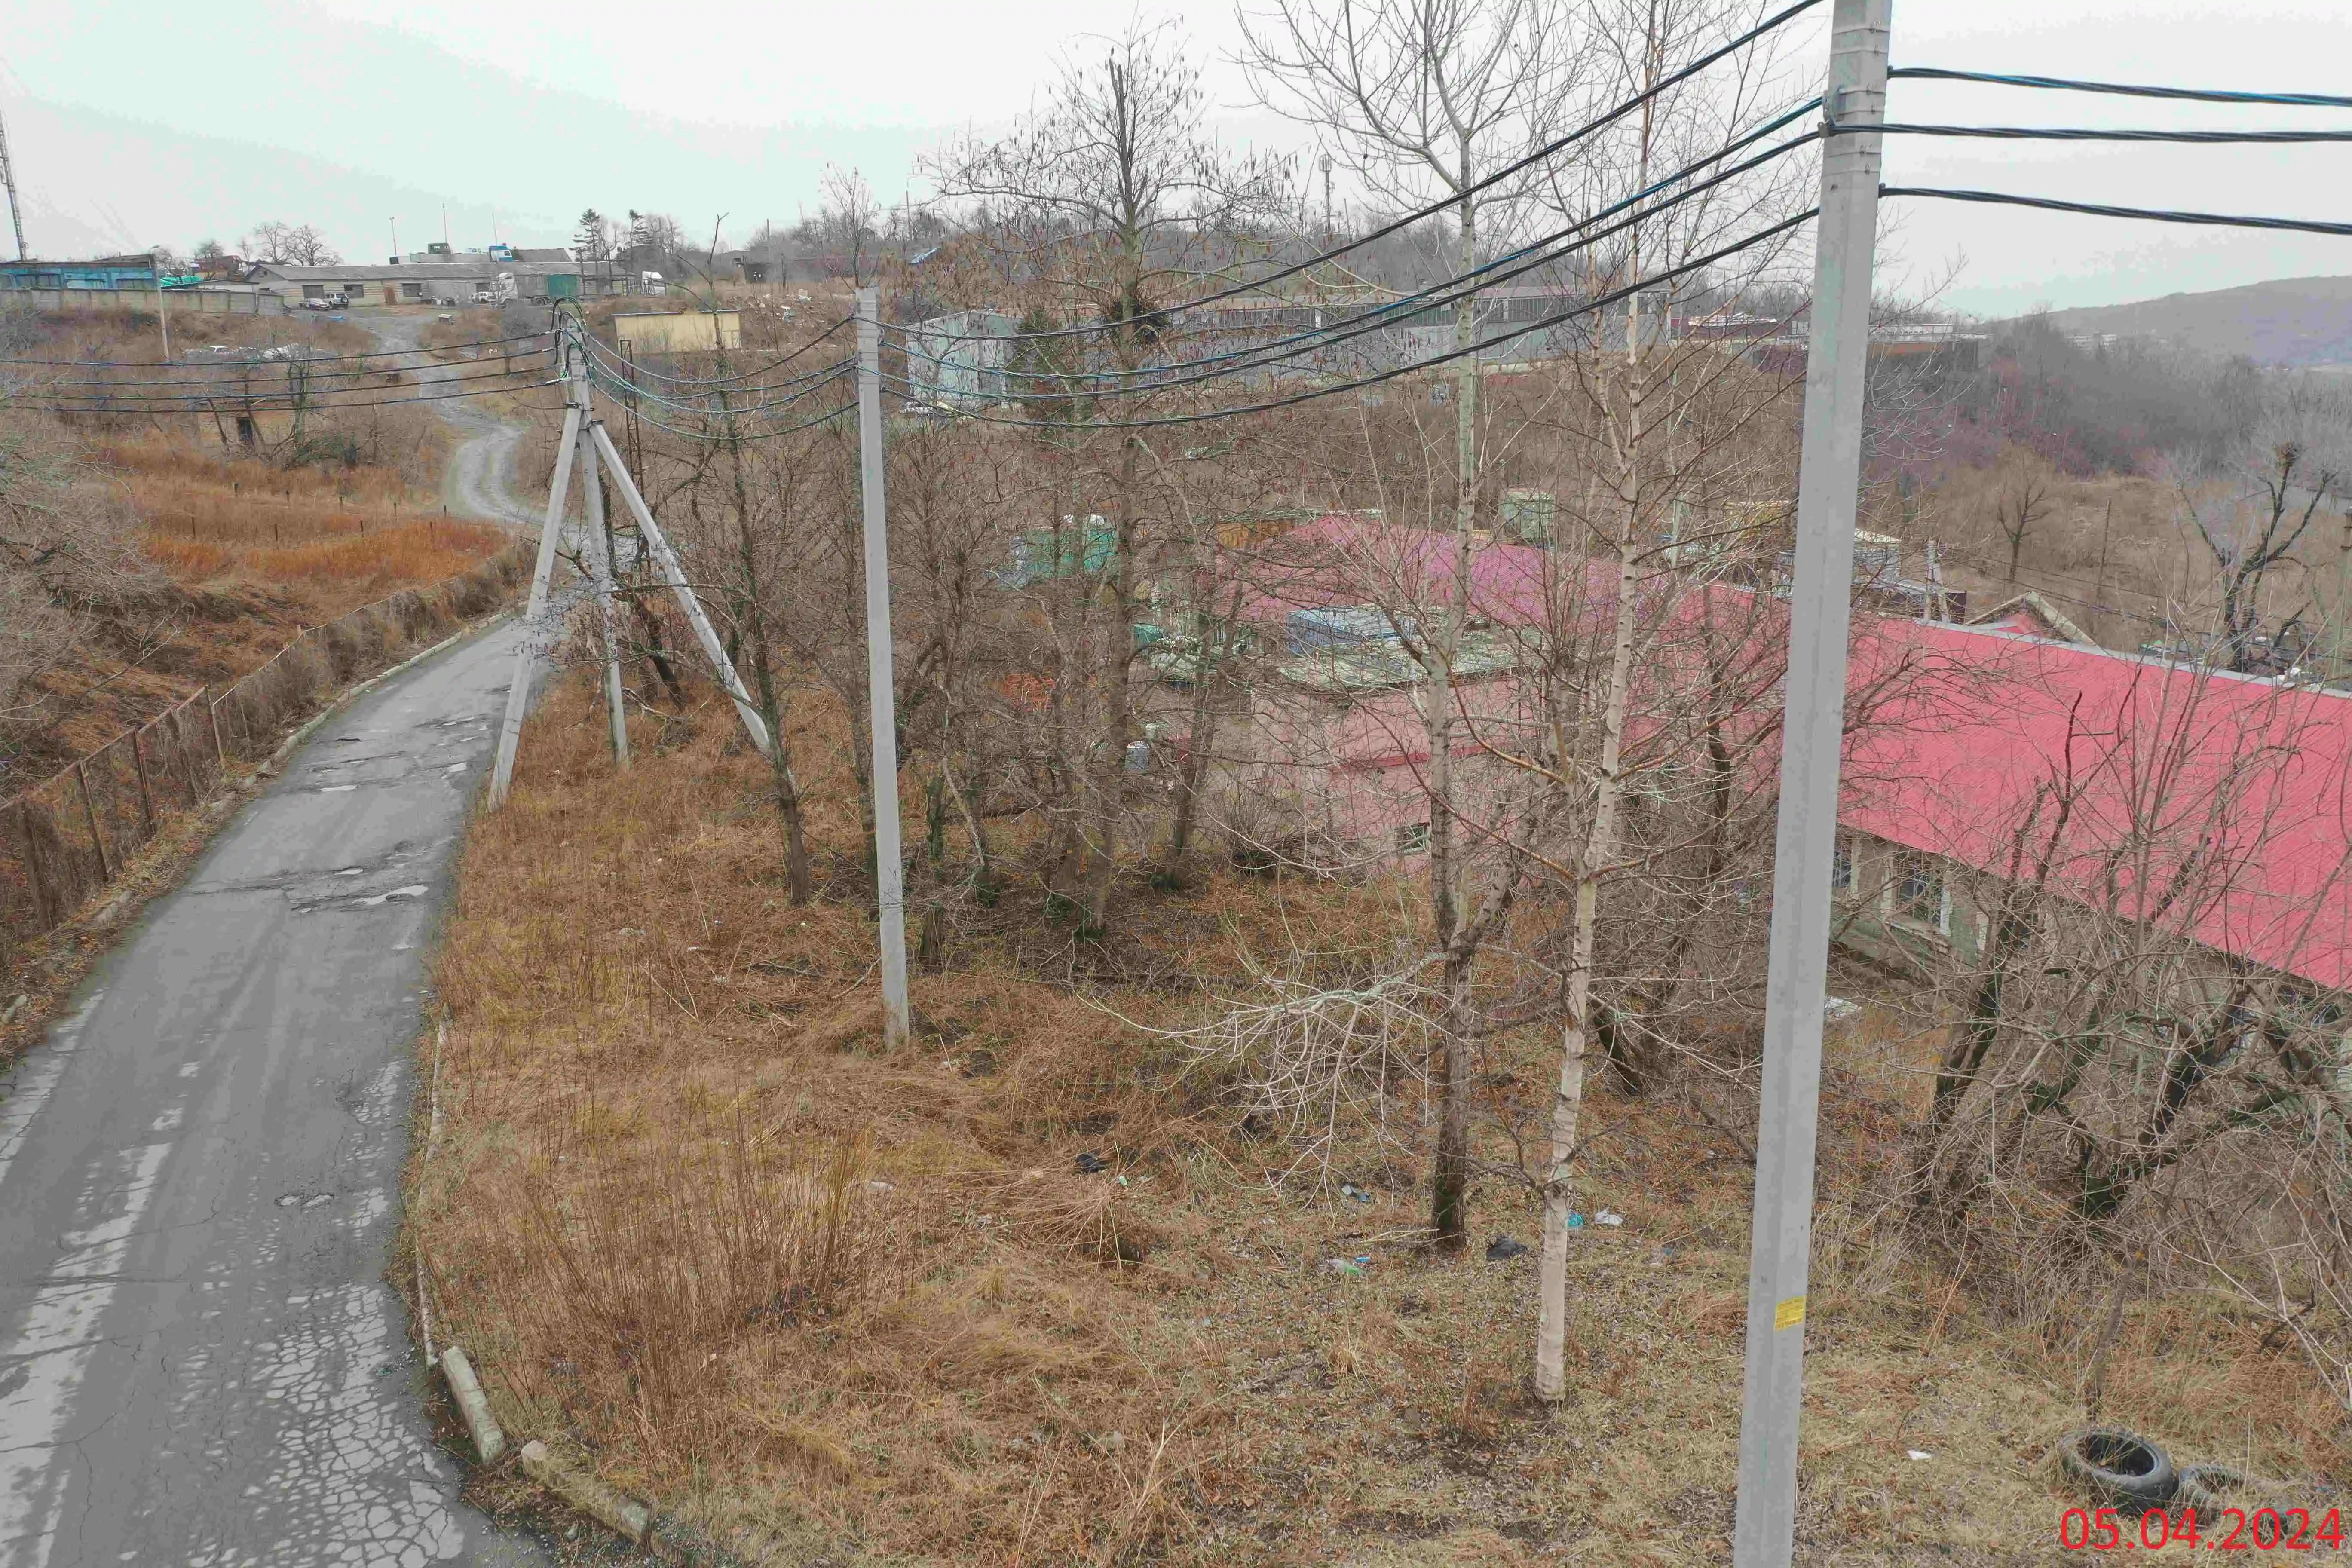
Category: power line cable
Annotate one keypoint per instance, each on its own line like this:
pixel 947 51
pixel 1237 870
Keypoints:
pixel 275 388
pixel 1502 269
pixel 849 408
pixel 1453 199
pixel 614 387
pixel 604 364
pixel 720 380
pixel 1437 298
pixel 307 359
pixel 2126 90
pixel 277 371
pixel 1543 325
pixel 2094 209
pixel 200 404
pixel 2085 133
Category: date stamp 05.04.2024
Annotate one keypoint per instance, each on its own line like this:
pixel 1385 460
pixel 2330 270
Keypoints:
pixel 2218 1530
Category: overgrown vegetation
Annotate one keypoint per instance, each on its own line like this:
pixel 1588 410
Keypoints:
pixel 702 1232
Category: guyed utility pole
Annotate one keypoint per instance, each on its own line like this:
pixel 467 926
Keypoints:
pixel 586 445
pixel 889 871
pixel 1812 731
pixel 535 628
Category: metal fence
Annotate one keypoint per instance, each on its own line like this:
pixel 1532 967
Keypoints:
pixel 64 839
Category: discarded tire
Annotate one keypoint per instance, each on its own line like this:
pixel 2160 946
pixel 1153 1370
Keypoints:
pixel 2119 1468
pixel 2206 1488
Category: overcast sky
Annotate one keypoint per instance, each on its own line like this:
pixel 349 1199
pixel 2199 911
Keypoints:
pixel 133 121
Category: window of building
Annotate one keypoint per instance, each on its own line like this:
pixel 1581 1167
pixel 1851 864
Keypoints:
pixel 1843 870
pixel 411 290
pixel 1922 896
pixel 314 290
pixel 1413 838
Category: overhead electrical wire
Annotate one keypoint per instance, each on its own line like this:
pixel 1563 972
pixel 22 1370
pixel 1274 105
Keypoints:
pixel 2125 90
pixel 2092 133
pixel 1349 331
pixel 616 388
pixel 1545 323
pixel 198 405
pixel 602 364
pixel 720 380
pixel 2096 209
pixel 283 367
pixel 279 375
pixel 1502 269
pixel 1548 149
pixel 275 389
pixel 752 436
pixel 308 359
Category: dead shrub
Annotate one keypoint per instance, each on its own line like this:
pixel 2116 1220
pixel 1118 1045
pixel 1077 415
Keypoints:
pixel 1087 1218
pixel 698 1240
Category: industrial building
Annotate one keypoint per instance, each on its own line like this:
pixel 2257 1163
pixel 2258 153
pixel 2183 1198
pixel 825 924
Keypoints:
pixel 416 283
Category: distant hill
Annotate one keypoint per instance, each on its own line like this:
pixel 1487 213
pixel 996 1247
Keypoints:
pixel 2293 322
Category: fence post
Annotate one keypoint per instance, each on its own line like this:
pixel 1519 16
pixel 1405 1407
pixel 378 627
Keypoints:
pixel 44 905
pixel 89 815
pixel 146 795
pixel 188 764
pixel 220 752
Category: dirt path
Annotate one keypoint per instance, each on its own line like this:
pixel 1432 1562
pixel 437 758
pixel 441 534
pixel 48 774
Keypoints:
pixel 480 479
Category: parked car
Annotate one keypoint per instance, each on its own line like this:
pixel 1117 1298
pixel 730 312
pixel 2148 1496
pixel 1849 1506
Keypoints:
pixel 483 297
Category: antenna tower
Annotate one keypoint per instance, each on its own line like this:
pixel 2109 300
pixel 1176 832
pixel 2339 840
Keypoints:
pixel 8 178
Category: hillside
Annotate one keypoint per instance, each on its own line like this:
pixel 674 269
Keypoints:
pixel 2292 322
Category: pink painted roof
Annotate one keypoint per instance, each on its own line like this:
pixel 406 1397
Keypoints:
pixel 2228 799
pixel 1345 560
pixel 2234 793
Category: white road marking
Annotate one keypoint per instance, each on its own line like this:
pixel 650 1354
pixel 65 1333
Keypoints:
pixel 52 1348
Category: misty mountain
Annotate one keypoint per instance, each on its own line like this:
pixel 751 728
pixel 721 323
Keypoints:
pixel 354 125
pixel 2293 322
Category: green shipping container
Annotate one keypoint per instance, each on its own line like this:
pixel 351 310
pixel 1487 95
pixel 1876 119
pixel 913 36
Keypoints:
pixel 564 285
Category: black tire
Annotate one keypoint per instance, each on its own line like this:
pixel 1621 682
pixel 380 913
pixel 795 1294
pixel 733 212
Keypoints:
pixel 2118 1467
pixel 2206 1488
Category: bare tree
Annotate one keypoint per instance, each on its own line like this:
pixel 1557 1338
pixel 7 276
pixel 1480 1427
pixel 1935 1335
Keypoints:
pixel 1424 98
pixel 69 549
pixel 848 223
pixel 2021 501
pixel 1102 202
pixel 298 245
pixel 1664 421
pixel 2267 500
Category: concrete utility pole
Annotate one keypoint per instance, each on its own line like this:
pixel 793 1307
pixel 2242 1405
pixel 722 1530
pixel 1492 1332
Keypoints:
pixel 567 454
pixel 889 872
pixel 1820 607
pixel 600 557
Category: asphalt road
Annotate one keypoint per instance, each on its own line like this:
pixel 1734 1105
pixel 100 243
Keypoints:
pixel 201 1362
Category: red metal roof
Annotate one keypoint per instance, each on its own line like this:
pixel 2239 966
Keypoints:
pixel 2219 805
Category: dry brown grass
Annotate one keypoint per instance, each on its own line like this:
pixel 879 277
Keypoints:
pixel 346 535
pixel 254 554
pixel 701 1230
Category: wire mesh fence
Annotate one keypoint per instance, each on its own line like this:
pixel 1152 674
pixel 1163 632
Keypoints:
pixel 64 839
